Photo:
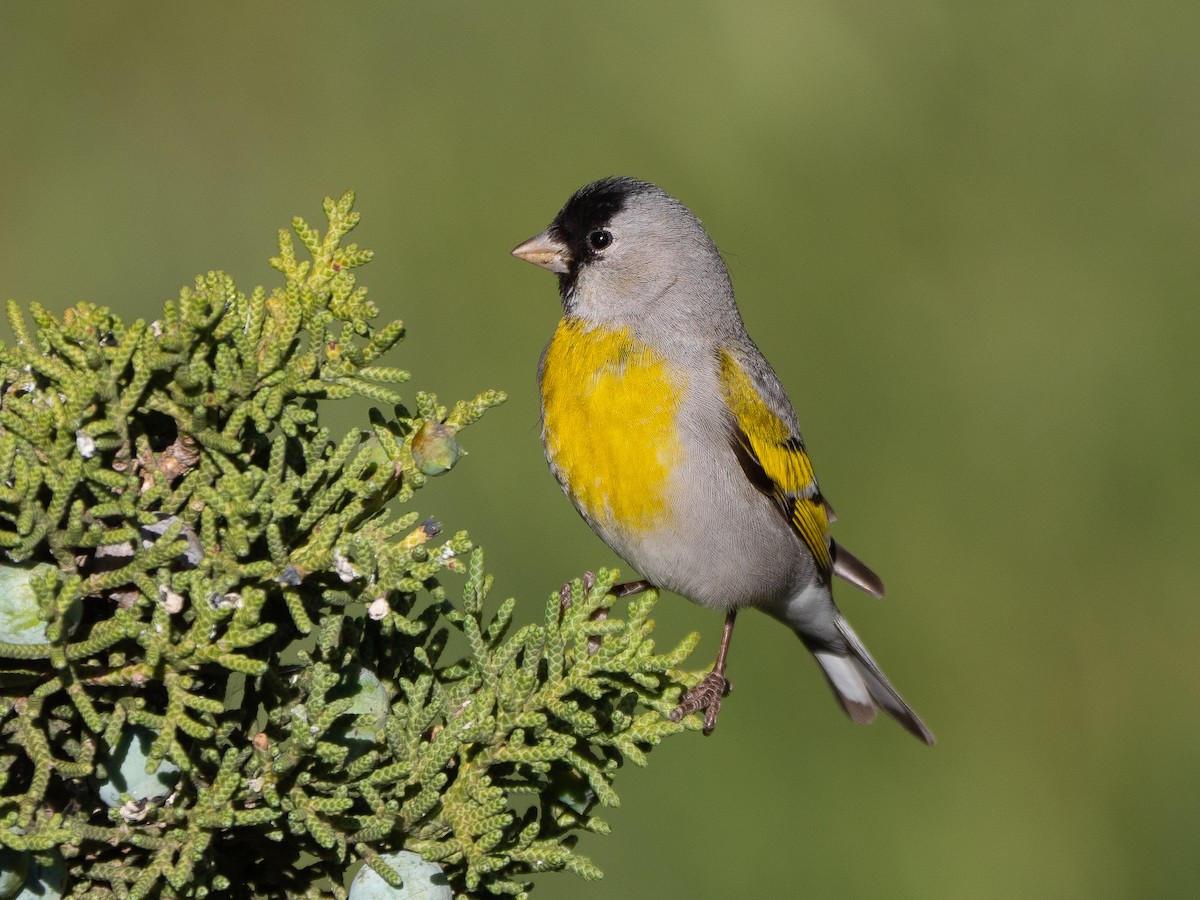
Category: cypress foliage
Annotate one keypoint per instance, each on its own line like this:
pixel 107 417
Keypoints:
pixel 223 632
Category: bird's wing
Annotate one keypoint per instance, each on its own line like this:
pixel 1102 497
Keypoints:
pixel 772 455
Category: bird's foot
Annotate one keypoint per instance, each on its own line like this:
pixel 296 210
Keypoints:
pixel 620 591
pixel 564 592
pixel 707 696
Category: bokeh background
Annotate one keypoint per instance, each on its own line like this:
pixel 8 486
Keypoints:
pixel 966 233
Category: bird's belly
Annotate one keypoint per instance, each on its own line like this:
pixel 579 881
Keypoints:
pixel 728 545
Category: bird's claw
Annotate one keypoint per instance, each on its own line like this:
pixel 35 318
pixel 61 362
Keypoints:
pixel 707 696
pixel 564 602
pixel 564 592
pixel 619 591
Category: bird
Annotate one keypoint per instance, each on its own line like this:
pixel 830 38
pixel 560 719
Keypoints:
pixel 675 440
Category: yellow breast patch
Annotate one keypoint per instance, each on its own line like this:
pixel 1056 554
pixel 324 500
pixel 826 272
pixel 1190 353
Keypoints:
pixel 608 413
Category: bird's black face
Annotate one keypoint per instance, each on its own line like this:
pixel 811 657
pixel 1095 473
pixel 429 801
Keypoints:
pixel 583 224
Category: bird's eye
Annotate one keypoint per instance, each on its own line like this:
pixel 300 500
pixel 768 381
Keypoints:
pixel 600 239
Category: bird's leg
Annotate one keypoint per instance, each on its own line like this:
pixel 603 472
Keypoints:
pixel 707 695
pixel 629 588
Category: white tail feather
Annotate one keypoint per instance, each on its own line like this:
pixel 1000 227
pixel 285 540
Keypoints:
pixel 856 679
pixel 848 685
pixel 870 678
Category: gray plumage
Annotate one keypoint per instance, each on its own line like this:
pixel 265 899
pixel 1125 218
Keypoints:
pixel 726 545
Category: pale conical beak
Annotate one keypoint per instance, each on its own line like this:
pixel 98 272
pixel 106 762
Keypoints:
pixel 543 250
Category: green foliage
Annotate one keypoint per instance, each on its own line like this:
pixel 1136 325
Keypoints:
pixel 238 568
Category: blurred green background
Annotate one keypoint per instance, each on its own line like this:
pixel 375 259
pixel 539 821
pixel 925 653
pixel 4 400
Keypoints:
pixel 966 234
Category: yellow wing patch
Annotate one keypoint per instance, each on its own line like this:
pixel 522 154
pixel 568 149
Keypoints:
pixel 775 460
pixel 608 406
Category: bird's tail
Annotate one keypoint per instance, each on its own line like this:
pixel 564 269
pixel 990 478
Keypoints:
pixel 861 687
